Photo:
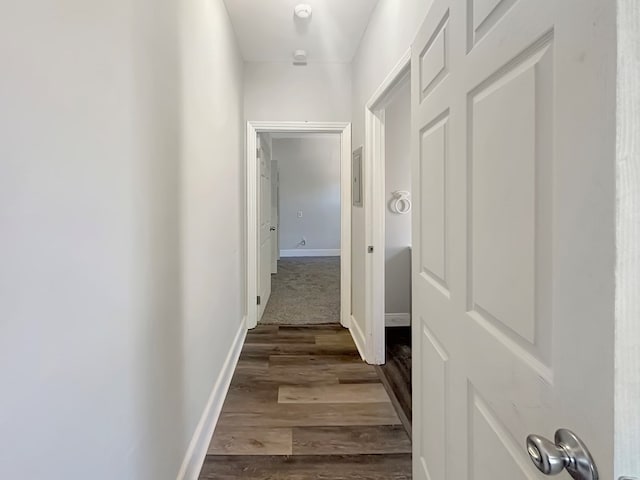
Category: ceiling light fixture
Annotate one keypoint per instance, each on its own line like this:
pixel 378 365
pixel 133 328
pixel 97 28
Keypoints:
pixel 302 10
pixel 300 57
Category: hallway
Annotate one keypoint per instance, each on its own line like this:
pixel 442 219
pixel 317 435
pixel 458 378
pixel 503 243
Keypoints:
pixel 156 158
pixel 303 405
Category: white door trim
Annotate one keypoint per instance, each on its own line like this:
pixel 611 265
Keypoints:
pixel 374 157
pixel 251 240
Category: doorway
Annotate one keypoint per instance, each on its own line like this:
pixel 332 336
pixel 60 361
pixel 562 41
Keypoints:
pixel 257 171
pixel 377 314
pixel 304 221
pixel 396 371
pixel 390 183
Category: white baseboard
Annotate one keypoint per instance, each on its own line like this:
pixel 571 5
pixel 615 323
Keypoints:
pixel 397 319
pixel 358 337
pixel 305 252
pixel 197 451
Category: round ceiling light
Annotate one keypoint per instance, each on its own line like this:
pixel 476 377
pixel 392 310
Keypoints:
pixel 302 10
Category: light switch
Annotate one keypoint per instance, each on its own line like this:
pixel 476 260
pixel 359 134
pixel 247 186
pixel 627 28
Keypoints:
pixel 299 213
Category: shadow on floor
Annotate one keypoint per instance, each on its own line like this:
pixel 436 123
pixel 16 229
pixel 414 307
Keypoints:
pixel 396 372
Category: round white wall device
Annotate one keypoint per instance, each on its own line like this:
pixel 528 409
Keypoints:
pixel 300 56
pixel 302 10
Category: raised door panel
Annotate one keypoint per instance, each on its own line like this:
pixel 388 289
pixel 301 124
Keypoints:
pixel 493 451
pixel 503 204
pixel 433 399
pixel 483 15
pixel 433 61
pixel 509 216
pixel 433 165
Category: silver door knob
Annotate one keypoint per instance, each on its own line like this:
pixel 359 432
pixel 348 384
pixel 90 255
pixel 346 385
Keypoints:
pixel 568 452
pixel 272 229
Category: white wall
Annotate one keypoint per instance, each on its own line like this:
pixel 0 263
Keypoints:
pixel 119 133
pixel 389 34
pixel 398 177
pixel 309 182
pixel 212 175
pixel 287 92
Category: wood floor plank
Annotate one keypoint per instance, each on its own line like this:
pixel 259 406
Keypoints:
pixel 305 329
pixel 305 332
pixel 370 375
pixel 274 338
pixel 300 349
pixel 313 360
pixel 346 370
pixel 350 378
pixel 342 393
pixel 308 467
pixel 261 328
pixel 252 364
pixel 238 399
pixel 251 441
pixel 355 440
pixel 276 377
pixel 335 339
pixel 307 415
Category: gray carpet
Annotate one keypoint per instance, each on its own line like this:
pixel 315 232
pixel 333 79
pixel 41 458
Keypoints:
pixel 305 291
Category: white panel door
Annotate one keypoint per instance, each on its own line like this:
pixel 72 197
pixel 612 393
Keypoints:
pixel 512 132
pixel 275 211
pixel 265 234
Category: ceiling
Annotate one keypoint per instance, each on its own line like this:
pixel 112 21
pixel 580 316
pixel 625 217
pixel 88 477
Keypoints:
pixel 268 31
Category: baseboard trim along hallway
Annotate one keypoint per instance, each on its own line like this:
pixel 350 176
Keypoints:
pixel 197 451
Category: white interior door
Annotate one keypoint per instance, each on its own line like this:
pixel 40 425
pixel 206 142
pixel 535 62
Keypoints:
pixel 265 234
pixel 275 222
pixel 512 134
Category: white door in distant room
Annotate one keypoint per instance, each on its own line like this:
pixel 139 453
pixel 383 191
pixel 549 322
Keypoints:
pixel 512 234
pixel 265 233
pixel 275 211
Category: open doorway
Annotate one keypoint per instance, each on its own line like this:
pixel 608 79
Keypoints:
pixel 389 184
pixel 396 371
pixel 306 222
pixel 300 206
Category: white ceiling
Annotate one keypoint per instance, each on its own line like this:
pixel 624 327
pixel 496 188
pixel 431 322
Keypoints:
pixel 268 31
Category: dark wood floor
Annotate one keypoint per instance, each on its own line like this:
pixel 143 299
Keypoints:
pixel 302 405
pixel 396 372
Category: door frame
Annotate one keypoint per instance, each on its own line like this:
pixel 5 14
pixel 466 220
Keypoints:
pixel 374 157
pixel 251 227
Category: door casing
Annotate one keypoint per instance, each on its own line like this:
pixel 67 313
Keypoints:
pixel 374 158
pixel 251 239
